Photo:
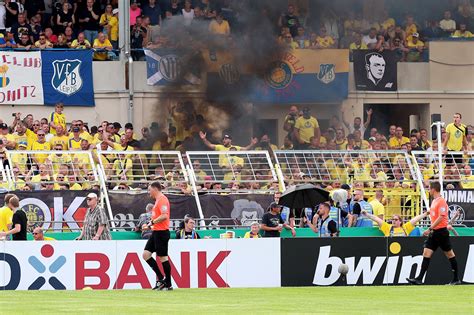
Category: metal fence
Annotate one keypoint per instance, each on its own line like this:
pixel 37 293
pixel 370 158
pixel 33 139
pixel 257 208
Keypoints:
pixel 126 170
pixel 51 170
pixel 233 171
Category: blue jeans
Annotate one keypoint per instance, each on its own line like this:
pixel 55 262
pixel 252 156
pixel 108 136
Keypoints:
pixel 90 36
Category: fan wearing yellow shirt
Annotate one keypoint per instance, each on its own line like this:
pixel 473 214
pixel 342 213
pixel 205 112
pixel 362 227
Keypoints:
pixel 57 159
pixel 24 134
pixel 219 26
pixel 102 43
pixel 410 26
pixel 253 233
pixel 324 40
pixel 75 141
pixel 6 214
pixel 38 235
pixel 397 227
pixel 306 127
pixel 397 141
pixel 357 44
pixel 455 139
pixel 225 146
pixel 377 206
pixel 40 145
pixel 57 118
pixel 20 160
pixel 123 168
pixel 60 138
pixel 462 32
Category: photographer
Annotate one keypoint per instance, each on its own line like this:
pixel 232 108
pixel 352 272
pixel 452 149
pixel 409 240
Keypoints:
pixel 143 220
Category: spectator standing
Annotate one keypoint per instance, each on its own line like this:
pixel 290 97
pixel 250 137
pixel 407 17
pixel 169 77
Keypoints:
pixel 398 140
pixel 290 121
pixel 96 226
pixel 272 222
pixel 89 21
pixel 416 47
pixel 370 40
pixel 323 40
pixel 12 12
pixel 3 16
pixel 253 233
pixel 153 11
pixel 447 24
pixel 290 20
pixel 357 124
pixel 306 127
pixel 377 204
pixel 455 139
pixel 6 214
pixel 188 231
pixel 188 13
pixel 65 18
pixel 135 12
pixel 20 28
pixel 357 44
pixel 19 221
pixel 219 26
pixel 139 35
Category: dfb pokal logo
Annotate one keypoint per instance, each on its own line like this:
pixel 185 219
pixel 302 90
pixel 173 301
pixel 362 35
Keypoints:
pixel 47 251
pixel 67 78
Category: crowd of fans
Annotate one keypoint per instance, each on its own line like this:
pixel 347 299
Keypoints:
pixel 188 131
pixel 32 24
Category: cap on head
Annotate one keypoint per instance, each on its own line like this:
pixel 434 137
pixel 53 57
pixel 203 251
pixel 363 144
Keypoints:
pixel 227 137
pixel 115 11
pixel 415 35
pixel 3 126
pixel 23 144
pixel 92 195
pixel 345 186
pixel 274 205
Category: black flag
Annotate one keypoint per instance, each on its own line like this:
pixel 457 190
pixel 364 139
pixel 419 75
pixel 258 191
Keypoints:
pixel 375 71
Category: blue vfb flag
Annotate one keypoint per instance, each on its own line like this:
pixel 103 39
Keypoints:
pixel 67 77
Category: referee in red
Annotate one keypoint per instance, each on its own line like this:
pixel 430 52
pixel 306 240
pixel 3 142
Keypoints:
pixel 438 236
pixel 158 242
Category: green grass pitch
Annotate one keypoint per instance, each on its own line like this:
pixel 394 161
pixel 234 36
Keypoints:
pixel 322 300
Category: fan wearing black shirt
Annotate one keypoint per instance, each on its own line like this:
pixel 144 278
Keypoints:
pixel 19 221
pixel 188 232
pixel 272 222
pixel 21 27
pixel 290 20
pixel 12 13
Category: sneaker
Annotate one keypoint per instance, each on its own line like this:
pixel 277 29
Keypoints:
pixel 158 284
pixel 414 281
pixel 455 282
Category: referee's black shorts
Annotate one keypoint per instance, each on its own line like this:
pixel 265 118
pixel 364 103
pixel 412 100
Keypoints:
pixel 439 238
pixel 158 242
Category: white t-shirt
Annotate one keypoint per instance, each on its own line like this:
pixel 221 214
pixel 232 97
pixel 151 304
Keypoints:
pixel 447 24
pixel 188 17
pixel 3 14
pixel 367 40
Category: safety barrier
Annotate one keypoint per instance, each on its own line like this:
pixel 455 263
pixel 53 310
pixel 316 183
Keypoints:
pixel 401 179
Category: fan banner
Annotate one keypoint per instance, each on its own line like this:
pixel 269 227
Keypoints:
pixel 375 71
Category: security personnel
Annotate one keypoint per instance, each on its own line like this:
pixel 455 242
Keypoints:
pixel 357 205
pixel 322 223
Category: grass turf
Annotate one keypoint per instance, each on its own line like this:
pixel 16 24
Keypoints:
pixel 325 300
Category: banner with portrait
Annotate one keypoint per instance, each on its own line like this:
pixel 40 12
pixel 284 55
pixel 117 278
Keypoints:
pixel 375 71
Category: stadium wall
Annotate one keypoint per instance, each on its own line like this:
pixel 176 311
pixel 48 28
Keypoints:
pixel 75 265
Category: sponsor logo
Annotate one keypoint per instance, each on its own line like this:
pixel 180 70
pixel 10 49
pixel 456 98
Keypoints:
pixel 67 78
pixel 327 73
pixel 459 196
pixel 4 80
pixel 365 270
pixel 229 73
pixel 47 251
pixel 280 75
pixel 170 68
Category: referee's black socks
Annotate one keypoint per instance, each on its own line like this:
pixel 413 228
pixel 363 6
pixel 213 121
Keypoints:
pixel 167 270
pixel 454 267
pixel 152 263
pixel 424 267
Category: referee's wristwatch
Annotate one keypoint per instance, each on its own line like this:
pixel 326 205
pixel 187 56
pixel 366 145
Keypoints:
pixel 430 228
